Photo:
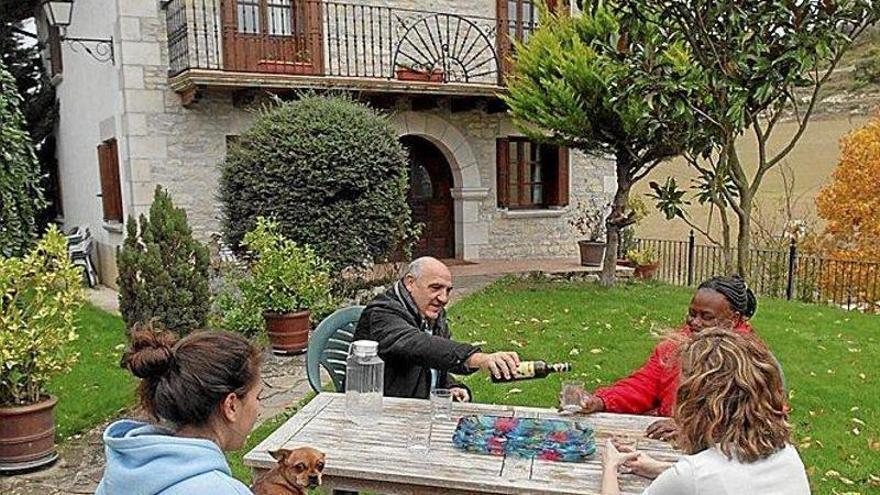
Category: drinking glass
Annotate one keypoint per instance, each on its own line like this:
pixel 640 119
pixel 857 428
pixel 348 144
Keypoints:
pixel 572 396
pixel 418 435
pixel 441 403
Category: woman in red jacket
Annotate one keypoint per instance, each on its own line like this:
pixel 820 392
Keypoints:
pixel 719 302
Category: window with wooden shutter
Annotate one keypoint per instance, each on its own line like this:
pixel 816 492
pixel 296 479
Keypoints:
pixel 530 175
pixel 111 189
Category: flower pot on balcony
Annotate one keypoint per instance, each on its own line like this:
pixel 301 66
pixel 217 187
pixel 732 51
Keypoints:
pixel 410 74
pixel 646 272
pixel 288 332
pixel 592 252
pixel 27 436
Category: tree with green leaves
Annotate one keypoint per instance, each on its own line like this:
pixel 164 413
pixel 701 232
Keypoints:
pixel 758 62
pixel 163 271
pixel 21 197
pixel 570 85
pixel 20 51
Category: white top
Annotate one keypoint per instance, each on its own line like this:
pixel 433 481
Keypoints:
pixel 711 472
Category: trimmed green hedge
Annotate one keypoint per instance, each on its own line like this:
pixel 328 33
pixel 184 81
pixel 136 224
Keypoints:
pixel 330 171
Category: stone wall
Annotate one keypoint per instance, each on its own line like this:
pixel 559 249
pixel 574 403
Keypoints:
pixel 180 148
pixel 497 232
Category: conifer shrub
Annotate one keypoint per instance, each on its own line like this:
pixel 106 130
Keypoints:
pixel 163 271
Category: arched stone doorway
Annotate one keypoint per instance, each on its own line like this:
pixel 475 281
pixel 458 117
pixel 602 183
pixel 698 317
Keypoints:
pixel 430 197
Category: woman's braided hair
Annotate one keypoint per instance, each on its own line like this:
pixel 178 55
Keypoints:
pixel 734 289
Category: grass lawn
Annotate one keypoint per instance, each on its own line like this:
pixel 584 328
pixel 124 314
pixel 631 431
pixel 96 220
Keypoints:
pixel 830 359
pixel 97 388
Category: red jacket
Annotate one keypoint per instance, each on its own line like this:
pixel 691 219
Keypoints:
pixel 653 386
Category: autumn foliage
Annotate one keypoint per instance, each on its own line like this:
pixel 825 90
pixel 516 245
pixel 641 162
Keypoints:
pixel 850 206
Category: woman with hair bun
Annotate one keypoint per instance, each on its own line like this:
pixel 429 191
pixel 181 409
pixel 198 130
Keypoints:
pixel 734 428
pixel 719 302
pixel 203 390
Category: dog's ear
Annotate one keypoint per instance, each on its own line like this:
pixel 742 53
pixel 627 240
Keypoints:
pixel 279 455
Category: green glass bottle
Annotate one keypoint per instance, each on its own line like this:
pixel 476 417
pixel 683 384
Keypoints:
pixel 528 370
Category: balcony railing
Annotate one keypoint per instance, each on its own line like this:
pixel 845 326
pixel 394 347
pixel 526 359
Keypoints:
pixel 331 38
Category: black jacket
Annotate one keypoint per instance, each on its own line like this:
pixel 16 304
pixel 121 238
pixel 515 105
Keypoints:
pixel 409 352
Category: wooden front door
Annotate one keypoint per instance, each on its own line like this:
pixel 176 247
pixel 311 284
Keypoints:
pixel 430 197
pixel 278 36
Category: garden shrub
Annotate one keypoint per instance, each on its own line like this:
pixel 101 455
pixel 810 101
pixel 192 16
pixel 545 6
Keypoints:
pixel 40 296
pixel 163 271
pixel 284 277
pixel 331 172
pixel 21 198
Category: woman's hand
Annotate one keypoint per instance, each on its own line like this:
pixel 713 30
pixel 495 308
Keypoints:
pixel 643 464
pixel 664 429
pixel 612 458
pixel 591 404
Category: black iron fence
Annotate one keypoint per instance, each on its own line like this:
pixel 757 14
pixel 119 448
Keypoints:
pixel 332 38
pixel 784 273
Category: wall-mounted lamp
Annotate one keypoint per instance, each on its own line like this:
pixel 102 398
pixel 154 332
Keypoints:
pixel 58 14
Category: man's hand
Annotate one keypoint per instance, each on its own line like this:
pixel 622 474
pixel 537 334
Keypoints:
pixel 664 429
pixel 498 364
pixel 460 394
pixel 643 464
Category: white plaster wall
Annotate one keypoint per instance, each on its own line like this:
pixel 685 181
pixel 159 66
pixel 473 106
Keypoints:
pixel 89 95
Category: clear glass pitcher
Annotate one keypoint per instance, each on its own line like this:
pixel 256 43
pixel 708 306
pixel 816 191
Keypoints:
pixel 364 382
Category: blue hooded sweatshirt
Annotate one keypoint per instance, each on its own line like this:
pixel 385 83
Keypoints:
pixel 144 459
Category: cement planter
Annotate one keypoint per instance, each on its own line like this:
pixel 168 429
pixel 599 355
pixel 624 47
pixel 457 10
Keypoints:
pixel 592 252
pixel 27 436
pixel 288 332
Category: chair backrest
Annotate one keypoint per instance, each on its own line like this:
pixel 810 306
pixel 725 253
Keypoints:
pixel 328 347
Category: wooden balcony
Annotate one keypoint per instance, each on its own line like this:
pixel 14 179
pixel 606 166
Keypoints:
pixel 323 44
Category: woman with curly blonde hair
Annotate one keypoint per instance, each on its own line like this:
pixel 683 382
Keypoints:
pixel 732 415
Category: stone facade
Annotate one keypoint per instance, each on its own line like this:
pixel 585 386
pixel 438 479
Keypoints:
pixel 163 142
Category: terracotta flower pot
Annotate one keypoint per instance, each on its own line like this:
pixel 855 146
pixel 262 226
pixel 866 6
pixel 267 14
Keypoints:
pixel 646 271
pixel 407 74
pixel 592 252
pixel 27 436
pixel 288 332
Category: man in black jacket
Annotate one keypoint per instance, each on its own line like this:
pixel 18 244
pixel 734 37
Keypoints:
pixel 409 323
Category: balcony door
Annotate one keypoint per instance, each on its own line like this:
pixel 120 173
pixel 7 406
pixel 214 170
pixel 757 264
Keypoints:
pixel 277 36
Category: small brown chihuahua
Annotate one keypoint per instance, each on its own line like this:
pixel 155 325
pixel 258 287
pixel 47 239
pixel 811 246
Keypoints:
pixel 297 470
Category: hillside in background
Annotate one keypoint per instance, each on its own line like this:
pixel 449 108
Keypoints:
pixel 848 101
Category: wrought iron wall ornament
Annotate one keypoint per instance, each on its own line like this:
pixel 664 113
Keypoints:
pixel 452 44
pixel 101 49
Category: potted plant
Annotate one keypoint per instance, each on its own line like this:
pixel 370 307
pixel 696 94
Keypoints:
pixel 646 262
pixel 41 296
pixel 589 222
pixel 419 72
pixel 288 282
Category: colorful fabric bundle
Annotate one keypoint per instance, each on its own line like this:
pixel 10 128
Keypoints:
pixel 549 439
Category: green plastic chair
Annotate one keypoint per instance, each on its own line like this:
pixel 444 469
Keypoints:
pixel 328 347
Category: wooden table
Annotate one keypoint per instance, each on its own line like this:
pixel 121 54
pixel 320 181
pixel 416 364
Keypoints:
pixel 376 459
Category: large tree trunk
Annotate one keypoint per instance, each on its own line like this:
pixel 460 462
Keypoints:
pixel 617 218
